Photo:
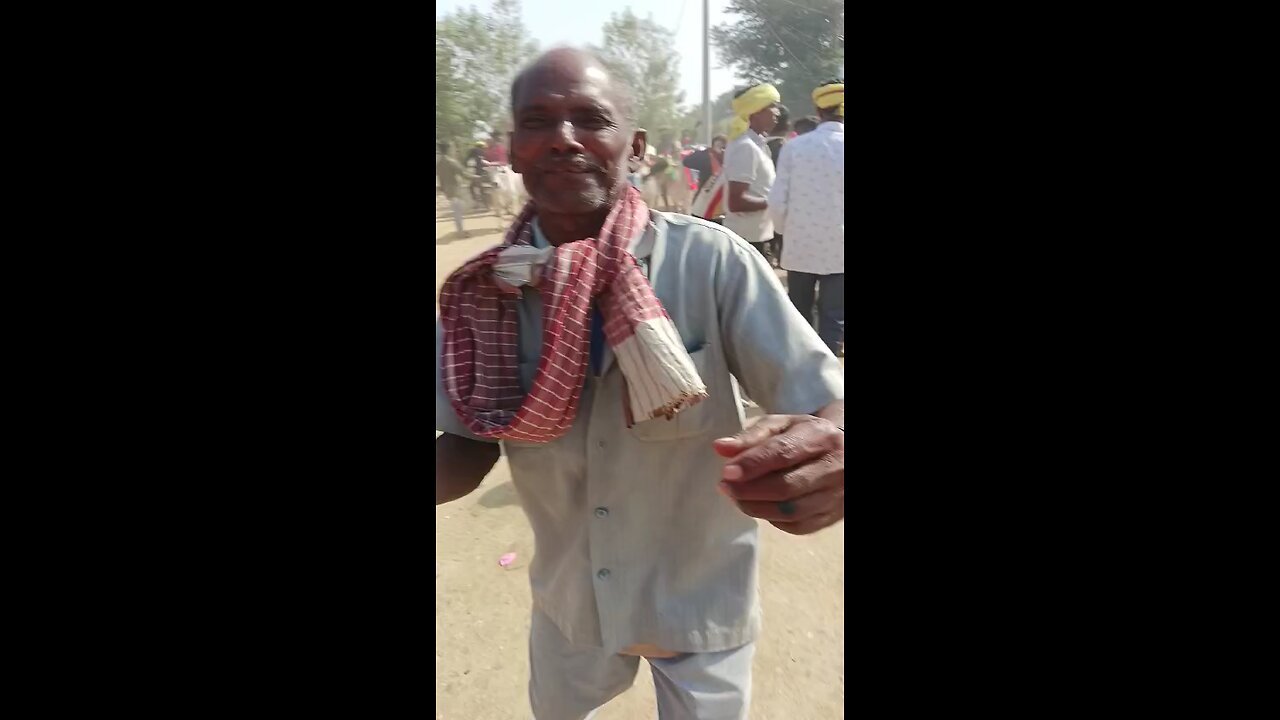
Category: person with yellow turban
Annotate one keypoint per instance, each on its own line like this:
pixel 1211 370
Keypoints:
pixel 830 97
pixel 807 206
pixel 749 103
pixel 748 165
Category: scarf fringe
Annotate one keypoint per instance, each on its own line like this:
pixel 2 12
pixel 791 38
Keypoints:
pixel 661 377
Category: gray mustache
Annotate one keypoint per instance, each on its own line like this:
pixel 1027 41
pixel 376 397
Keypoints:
pixel 572 166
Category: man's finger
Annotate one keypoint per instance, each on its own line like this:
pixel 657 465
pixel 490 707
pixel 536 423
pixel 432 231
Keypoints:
pixel 786 484
pixel 765 428
pixel 799 443
pixel 794 510
pixel 812 524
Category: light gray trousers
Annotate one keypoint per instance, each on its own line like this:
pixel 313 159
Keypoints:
pixel 456 205
pixel 568 682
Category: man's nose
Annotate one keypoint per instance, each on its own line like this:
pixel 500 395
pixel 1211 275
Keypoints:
pixel 565 138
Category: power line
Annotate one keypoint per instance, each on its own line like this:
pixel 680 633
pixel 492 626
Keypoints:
pixel 800 36
pixel 806 7
pixel 784 45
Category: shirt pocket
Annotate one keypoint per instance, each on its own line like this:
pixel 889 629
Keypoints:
pixel 692 421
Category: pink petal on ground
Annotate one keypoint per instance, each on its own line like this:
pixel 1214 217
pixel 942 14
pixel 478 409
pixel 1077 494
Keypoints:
pixel 507 559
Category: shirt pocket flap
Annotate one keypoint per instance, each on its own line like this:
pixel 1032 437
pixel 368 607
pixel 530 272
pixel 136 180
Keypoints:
pixel 691 421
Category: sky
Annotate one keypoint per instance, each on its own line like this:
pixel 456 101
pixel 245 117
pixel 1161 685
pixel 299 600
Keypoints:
pixel 556 22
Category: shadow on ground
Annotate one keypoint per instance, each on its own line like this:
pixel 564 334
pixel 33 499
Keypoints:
pixel 503 495
pixel 454 236
pixel 446 215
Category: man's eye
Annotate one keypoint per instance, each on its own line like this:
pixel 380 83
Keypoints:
pixel 593 122
pixel 533 122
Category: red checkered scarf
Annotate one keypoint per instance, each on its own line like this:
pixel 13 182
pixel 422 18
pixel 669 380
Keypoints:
pixel 479 362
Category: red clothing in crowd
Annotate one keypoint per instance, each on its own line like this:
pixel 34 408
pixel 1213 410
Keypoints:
pixel 496 154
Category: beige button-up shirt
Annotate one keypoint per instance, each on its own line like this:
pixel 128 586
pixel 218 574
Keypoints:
pixel 634 545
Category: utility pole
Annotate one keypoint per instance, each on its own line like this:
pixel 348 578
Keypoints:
pixel 706 71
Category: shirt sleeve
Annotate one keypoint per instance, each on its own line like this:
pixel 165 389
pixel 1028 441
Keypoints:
pixel 776 355
pixel 739 164
pixel 446 419
pixel 778 193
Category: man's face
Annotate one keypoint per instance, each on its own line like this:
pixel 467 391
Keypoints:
pixel 571 143
pixel 766 120
pixel 718 146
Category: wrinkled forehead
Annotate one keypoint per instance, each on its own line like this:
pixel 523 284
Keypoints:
pixel 552 84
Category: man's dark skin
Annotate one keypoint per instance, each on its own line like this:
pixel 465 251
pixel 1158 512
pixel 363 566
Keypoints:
pixel 574 144
pixel 740 198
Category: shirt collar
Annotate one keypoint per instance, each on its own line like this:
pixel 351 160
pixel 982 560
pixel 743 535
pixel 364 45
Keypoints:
pixel 641 245
pixel 538 239
pixel 831 126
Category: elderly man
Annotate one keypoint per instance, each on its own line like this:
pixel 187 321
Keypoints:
pixel 748 165
pixel 598 344
pixel 807 204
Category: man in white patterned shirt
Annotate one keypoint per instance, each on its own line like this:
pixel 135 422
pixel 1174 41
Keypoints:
pixel 806 203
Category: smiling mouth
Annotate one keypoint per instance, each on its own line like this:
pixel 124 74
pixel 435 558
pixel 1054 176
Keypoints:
pixel 574 166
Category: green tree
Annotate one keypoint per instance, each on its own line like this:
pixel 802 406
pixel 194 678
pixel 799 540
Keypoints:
pixel 721 115
pixel 640 53
pixel 453 123
pixel 793 44
pixel 477 56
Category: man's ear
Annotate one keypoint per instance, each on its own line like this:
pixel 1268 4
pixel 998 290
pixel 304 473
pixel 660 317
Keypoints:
pixel 639 143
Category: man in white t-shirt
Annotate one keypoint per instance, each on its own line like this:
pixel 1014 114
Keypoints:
pixel 807 204
pixel 748 166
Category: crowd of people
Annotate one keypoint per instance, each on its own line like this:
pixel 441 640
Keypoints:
pixel 472 173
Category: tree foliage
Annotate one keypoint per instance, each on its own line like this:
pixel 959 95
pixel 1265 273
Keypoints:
pixel 477 57
pixel 793 44
pixel 641 54
pixel 721 115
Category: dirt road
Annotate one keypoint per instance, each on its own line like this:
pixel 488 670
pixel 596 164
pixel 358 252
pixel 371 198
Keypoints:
pixel 482 609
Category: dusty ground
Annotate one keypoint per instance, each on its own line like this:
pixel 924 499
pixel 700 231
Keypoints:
pixel 482 609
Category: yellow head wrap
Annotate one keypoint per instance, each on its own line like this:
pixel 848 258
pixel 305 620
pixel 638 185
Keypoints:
pixel 829 96
pixel 749 103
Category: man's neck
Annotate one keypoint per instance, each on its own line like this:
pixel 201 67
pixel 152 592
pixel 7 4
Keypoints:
pixel 560 229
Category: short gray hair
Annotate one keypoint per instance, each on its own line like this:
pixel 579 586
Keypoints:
pixel 621 94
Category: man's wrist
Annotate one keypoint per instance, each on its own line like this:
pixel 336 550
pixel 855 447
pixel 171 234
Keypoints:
pixel 833 413
pixel 838 423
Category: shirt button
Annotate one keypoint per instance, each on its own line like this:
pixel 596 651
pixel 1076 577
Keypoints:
pixel 602 512
pixel 600 444
pixel 604 573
